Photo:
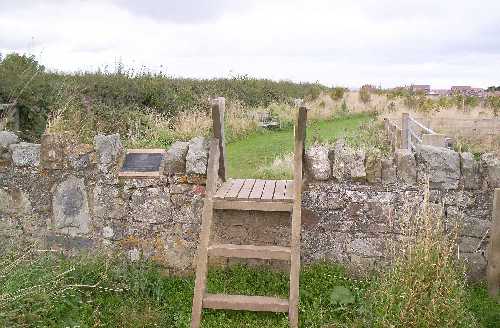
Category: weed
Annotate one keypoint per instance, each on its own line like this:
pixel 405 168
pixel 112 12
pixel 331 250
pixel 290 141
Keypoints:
pixel 425 287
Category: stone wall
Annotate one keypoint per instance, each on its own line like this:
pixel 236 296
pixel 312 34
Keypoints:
pixel 68 196
pixel 356 203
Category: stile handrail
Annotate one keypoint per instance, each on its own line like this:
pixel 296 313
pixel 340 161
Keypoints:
pixel 412 133
pixel 428 130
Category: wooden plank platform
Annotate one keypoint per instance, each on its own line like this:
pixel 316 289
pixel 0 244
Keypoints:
pixel 243 302
pixel 250 251
pixel 255 191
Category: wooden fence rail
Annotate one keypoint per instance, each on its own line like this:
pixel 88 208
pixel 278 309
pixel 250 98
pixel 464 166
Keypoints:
pixel 393 134
pixel 412 133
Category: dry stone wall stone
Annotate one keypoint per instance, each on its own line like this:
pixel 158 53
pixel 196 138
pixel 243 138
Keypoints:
pixel 318 162
pixel 389 174
pixel 440 165
pixel 175 158
pixel 8 138
pixel 197 156
pixel 348 163
pixel 25 154
pixel 406 165
pixel 373 169
pixel 490 165
pixel 357 165
pixel 70 207
pixel 470 174
pixel 52 151
pixel 108 149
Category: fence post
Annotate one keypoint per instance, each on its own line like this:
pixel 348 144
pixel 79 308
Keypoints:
pixel 404 131
pixel 218 108
pixel 494 250
pixel 434 139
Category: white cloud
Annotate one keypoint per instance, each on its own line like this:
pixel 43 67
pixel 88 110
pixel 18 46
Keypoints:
pixel 335 42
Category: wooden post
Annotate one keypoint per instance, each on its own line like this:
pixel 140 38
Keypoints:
pixel 405 133
pixel 434 139
pixel 206 224
pixel 300 136
pixel 218 108
pixel 494 250
pixel 398 137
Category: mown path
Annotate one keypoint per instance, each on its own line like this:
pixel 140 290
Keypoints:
pixel 246 156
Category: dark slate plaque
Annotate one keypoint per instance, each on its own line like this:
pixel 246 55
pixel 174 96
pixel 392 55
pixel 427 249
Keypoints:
pixel 142 162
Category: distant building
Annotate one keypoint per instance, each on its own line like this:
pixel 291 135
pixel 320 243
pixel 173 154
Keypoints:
pixel 466 90
pixel 369 87
pixel 439 92
pixel 424 88
pixel 478 92
pixel 460 89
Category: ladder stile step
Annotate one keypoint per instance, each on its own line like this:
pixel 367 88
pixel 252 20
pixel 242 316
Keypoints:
pixel 246 303
pixel 250 251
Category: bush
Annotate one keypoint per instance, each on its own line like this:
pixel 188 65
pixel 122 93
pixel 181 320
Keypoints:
pixel 493 102
pixel 370 137
pixel 364 95
pixel 425 287
pixel 40 94
pixel 337 93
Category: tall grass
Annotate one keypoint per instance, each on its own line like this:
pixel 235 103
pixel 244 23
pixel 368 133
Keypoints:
pixel 280 169
pixel 425 286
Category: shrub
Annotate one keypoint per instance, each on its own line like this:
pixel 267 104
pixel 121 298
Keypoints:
pixel 493 102
pixel 425 287
pixel 370 137
pixel 364 95
pixel 337 93
pixel 39 93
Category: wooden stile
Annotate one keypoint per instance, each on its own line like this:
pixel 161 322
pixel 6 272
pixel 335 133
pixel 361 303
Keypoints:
pixel 250 195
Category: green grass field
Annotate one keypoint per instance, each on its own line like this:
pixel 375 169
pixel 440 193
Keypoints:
pixel 101 293
pixel 246 156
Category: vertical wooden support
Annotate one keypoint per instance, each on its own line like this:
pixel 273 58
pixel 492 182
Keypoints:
pixel 300 135
pixel 218 108
pixel 494 250
pixel 398 138
pixel 206 224
pixel 405 132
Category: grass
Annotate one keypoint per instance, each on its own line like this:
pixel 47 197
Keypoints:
pixel 91 292
pixel 53 291
pixel 425 285
pixel 260 149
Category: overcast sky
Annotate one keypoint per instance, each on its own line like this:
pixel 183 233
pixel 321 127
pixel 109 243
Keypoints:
pixel 349 43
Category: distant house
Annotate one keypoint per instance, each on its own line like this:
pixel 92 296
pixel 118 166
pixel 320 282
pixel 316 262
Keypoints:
pixel 424 88
pixel 439 92
pixel 466 90
pixel 460 89
pixel 478 92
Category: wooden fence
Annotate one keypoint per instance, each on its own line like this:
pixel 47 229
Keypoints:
pixel 412 133
pixel 393 134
